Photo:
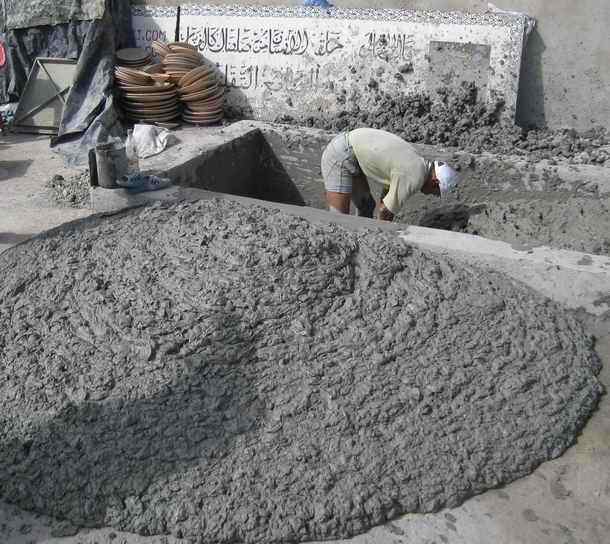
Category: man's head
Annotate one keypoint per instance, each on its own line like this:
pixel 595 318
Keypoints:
pixel 443 179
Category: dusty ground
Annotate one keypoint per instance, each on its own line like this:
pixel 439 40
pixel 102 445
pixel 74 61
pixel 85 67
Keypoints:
pixel 566 500
pixel 26 165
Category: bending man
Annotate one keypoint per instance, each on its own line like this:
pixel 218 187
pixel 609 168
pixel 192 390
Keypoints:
pixel 353 158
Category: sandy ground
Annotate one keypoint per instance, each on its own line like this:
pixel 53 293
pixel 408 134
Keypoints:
pixel 564 501
pixel 26 164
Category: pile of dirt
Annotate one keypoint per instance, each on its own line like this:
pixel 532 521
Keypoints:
pixel 455 116
pixel 231 374
pixel 71 191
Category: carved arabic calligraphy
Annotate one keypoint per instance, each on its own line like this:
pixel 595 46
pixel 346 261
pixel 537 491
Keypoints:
pixel 388 47
pixel 273 41
pixel 252 76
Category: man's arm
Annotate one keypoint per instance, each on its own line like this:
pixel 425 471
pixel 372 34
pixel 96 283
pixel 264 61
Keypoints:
pixel 384 213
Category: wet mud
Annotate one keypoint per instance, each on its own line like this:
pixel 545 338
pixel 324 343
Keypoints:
pixel 576 224
pixel 231 374
pixel 456 117
pixel 521 203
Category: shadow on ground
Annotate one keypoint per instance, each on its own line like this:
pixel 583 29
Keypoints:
pixel 89 462
pixel 451 217
pixel 14 169
pixel 13 238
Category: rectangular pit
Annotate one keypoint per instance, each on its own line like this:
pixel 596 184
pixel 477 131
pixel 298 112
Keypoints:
pixel 502 198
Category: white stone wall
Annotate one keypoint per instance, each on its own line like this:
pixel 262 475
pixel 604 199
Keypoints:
pixel 303 61
pixel 154 24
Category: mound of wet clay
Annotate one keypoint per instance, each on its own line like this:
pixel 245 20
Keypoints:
pixel 457 116
pixel 234 374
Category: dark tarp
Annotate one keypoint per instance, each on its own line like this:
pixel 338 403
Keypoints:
pixel 89 114
pixel 31 13
pixel 4 70
pixel 23 46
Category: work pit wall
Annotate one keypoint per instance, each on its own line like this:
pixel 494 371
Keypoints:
pixel 505 198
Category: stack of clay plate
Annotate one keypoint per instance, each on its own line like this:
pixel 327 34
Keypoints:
pixel 161 49
pixel 180 60
pixel 145 100
pixel 201 95
pixel 134 57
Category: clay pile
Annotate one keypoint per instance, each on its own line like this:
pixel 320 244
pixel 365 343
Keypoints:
pixel 231 374
pixel 456 117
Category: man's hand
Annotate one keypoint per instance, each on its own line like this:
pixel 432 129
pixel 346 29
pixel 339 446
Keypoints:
pixel 384 213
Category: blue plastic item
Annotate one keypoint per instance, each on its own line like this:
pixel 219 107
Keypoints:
pixel 141 183
pixel 317 4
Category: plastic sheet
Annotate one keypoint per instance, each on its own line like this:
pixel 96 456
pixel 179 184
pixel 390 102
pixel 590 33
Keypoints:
pixel 23 46
pixel 31 13
pixel 89 115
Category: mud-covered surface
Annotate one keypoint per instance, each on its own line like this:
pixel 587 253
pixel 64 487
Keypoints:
pixel 233 374
pixel 525 204
pixel 70 191
pixel 577 224
pixel 562 224
pixel 457 117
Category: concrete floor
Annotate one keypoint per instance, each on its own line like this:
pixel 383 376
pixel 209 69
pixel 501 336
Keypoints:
pixel 26 164
pixel 564 501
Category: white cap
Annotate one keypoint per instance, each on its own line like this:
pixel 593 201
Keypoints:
pixel 447 177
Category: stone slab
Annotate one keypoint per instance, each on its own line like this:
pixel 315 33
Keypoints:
pixel 278 61
pixel 151 24
pixel 300 60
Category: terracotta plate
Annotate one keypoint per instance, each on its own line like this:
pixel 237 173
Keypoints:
pixel 139 89
pixel 142 62
pixel 153 69
pixel 148 117
pixel 198 85
pixel 202 122
pixel 181 45
pixel 201 71
pixel 194 107
pixel 132 54
pixel 171 68
pixel 149 97
pixel 168 126
pixel 133 80
pixel 181 62
pixel 148 105
pixel 160 47
pixel 203 115
pixel 123 70
pixel 184 54
pixel 201 95
pixel 154 110
pixel 216 97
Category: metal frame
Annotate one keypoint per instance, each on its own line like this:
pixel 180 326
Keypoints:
pixel 40 64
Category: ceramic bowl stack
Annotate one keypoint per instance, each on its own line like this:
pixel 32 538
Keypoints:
pixel 143 99
pixel 179 60
pixel 134 57
pixel 201 95
pixel 198 88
